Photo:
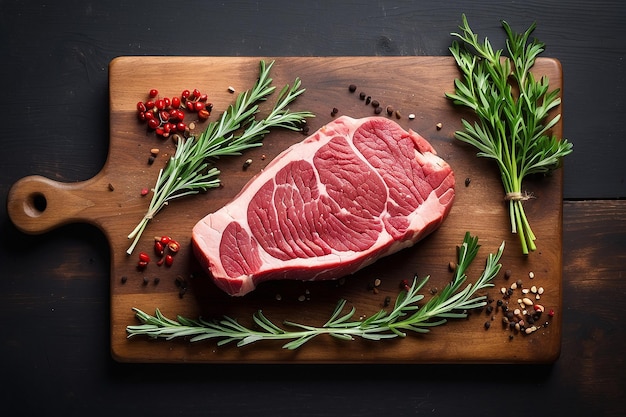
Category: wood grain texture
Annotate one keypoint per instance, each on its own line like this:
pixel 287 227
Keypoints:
pixel 411 85
pixel 594 249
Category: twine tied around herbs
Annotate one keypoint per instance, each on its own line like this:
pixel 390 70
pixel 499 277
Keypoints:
pixel 517 196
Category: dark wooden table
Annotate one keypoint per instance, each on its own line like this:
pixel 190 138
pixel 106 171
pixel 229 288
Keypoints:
pixel 54 302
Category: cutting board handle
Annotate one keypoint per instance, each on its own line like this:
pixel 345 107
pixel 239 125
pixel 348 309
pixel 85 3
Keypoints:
pixel 37 204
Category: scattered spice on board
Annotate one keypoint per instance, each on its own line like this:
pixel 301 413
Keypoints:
pixel 181 283
pixel 166 116
pixel 165 248
pixel 524 315
pixel 376 104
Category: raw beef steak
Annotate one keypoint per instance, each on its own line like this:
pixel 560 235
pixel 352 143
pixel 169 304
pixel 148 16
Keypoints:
pixel 354 191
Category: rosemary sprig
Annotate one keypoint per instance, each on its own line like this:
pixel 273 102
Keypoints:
pixel 189 171
pixel 512 110
pixel 405 316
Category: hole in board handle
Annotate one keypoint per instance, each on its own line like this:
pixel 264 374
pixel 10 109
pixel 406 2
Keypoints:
pixel 35 205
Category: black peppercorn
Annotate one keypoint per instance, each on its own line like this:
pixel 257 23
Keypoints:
pixel 387 301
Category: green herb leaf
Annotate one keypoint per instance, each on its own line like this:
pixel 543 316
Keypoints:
pixel 406 315
pixel 512 107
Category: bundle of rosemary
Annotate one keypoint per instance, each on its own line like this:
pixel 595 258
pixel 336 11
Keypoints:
pixel 190 170
pixel 405 316
pixel 512 109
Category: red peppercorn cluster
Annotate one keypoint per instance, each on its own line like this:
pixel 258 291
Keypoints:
pixel 165 248
pixel 166 116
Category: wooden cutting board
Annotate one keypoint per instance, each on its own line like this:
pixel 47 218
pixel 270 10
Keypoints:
pixel 112 201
